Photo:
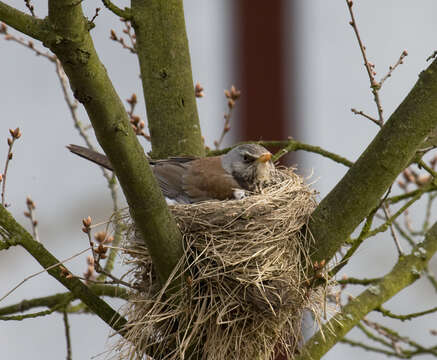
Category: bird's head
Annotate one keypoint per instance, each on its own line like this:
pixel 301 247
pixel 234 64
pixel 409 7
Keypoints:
pixel 249 164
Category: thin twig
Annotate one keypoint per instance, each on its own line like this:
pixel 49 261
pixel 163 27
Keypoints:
pixel 138 125
pixel 95 15
pixel 99 252
pixel 32 315
pixel 386 210
pixel 62 298
pixel 432 56
pixel 388 313
pixel 67 334
pixel 404 234
pixel 425 189
pixel 123 13
pixel 374 85
pixel 30 213
pixel 232 95
pixel 40 272
pixel 15 135
pixel 293 145
pixel 395 337
pixel 30 7
pixel 368 347
pixel 373 337
pixel 359 112
pixel 426 221
pixel 393 67
pixel 130 34
pixel 428 169
pixel 401 211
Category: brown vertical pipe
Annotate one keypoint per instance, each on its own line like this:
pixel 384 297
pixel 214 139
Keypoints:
pixel 261 68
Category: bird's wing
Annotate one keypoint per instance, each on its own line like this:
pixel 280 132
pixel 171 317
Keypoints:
pixel 170 176
pixel 206 179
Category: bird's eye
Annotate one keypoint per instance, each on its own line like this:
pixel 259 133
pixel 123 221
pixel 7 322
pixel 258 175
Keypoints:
pixel 247 158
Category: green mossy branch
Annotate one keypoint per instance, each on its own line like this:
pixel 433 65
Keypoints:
pixel 360 190
pixel 411 316
pixel 22 22
pixel 72 44
pixel 293 145
pixel 32 315
pixel 125 13
pixel 397 198
pixel 163 53
pixel 52 301
pixel 406 271
pixel 48 261
pixel 355 281
pixel 290 146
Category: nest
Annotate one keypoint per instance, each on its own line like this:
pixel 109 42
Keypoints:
pixel 242 282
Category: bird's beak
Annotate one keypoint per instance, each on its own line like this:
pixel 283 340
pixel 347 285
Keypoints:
pixel 264 158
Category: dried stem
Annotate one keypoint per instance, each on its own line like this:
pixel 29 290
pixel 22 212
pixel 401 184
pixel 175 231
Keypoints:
pixel 368 347
pixel 30 7
pixel 33 315
pixel 40 272
pixel 99 253
pixel 130 34
pixel 30 213
pixel 138 125
pixel 370 68
pixel 15 135
pixel 95 15
pixel 360 112
pixel 354 281
pixel 393 67
pixel 232 95
pixel 386 210
pixel 374 85
pixel 388 313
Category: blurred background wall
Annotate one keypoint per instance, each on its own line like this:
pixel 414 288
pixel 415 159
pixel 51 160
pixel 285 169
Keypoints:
pixel 300 71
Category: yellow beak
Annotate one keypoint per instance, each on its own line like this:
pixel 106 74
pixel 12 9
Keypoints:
pixel 264 157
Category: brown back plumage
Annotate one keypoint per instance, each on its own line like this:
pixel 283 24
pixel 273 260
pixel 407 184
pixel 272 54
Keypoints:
pixel 189 180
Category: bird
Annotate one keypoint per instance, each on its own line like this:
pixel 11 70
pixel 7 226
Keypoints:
pixel 187 180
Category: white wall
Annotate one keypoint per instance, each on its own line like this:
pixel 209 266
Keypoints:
pixel 331 80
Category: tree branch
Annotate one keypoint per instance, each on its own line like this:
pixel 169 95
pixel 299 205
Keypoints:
pixel 289 146
pixel 164 57
pixel 67 334
pixel 360 190
pixel 72 44
pixel 22 22
pixel 388 313
pixel 406 271
pixel 52 300
pixel 125 14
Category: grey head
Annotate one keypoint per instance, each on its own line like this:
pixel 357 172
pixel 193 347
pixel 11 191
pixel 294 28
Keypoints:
pixel 249 164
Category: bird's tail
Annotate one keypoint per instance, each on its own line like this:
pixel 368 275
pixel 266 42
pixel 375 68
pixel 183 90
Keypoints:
pixel 91 155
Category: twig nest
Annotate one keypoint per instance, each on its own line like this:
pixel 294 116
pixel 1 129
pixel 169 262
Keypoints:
pixel 243 281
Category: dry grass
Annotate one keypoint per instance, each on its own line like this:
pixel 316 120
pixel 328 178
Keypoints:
pixel 243 280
